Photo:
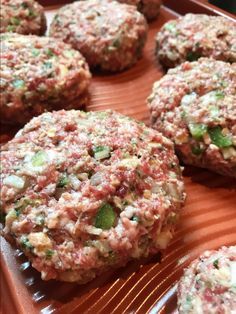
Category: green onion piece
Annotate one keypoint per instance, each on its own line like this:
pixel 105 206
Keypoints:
pixel 49 52
pixel 49 253
pixel 105 217
pixel 218 138
pixel 24 241
pixel 196 150
pixel 18 83
pixel 11 28
pixel 135 218
pixel 35 52
pixel 102 152
pixel 170 27
pixel 219 95
pixel 24 5
pixel 63 181
pixel 193 56
pixel 40 220
pixel 15 21
pixel 39 159
pixel 32 13
pixel 197 130
pixel 69 53
pixel 47 65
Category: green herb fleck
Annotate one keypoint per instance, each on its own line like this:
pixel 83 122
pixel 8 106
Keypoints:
pixel 40 220
pixel 49 52
pixel 25 243
pixel 170 27
pixel 63 181
pixel 219 95
pixel 218 138
pixel 49 253
pixel 101 152
pixel 47 65
pixel 197 150
pixel 15 21
pixel 216 264
pixel 18 83
pixel 125 203
pixel 39 159
pixel 135 218
pixel 35 52
pixel 193 56
pixel 32 13
pixel 24 5
pixel 11 28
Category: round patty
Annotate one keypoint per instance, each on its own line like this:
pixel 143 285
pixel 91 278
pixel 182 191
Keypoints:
pixel 85 192
pixel 193 36
pixel 110 35
pixel 209 284
pixel 23 17
pixel 150 8
pixel 195 106
pixel 38 74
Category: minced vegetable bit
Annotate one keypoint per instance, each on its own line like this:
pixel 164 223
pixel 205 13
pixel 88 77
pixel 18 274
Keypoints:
pixel 208 285
pixel 110 35
pixel 193 36
pixel 84 192
pixel 23 17
pixel 39 74
pixel 195 106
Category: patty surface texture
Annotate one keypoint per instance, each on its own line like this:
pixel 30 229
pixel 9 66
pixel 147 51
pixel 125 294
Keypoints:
pixel 87 192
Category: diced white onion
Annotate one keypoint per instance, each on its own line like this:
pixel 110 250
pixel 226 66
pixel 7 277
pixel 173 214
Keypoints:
pixel 14 181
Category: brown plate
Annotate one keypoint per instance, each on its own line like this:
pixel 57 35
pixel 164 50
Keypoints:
pixel 208 220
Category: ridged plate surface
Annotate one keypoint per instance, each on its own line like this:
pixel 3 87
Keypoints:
pixel 208 221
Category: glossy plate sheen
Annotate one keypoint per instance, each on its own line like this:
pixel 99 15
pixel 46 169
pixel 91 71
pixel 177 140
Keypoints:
pixel 208 220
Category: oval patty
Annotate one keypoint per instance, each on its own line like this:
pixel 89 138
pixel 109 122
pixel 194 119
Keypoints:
pixel 196 35
pixel 39 74
pixel 195 106
pixel 110 35
pixel 86 192
pixel 23 17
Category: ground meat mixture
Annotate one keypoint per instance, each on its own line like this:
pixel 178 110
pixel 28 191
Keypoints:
pixel 195 106
pixel 209 284
pixel 22 16
pixel 85 192
pixel 39 74
pixel 196 35
pixel 109 34
pixel 150 8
